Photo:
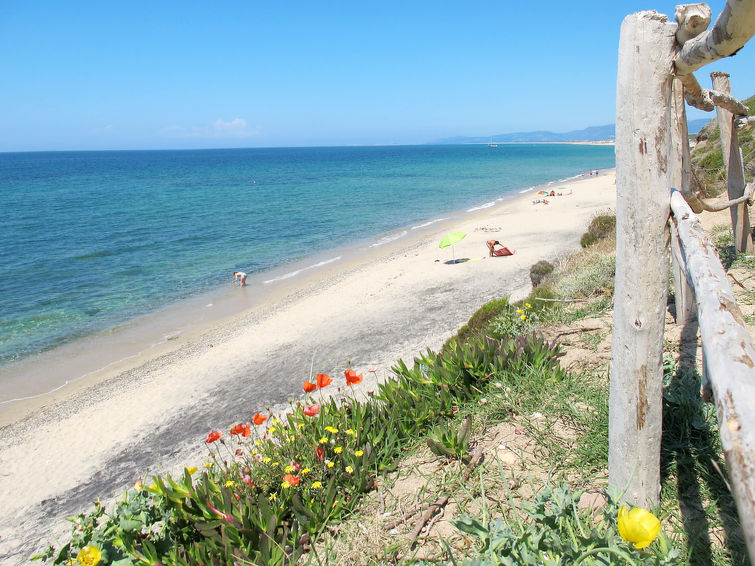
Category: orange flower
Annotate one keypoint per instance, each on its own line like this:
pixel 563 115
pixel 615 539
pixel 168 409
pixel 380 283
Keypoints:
pixel 258 419
pixel 213 436
pixel 293 480
pixel 352 378
pixel 244 430
pixel 311 410
pixel 308 387
pixel 323 380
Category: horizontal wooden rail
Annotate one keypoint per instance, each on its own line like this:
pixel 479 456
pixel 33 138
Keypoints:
pixel 729 358
pixel 733 28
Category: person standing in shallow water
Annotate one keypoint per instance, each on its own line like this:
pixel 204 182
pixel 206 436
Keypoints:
pixel 240 277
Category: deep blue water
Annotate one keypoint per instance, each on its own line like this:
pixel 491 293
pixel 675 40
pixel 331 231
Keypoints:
pixel 93 239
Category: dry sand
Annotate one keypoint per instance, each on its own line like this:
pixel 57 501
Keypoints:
pixel 151 414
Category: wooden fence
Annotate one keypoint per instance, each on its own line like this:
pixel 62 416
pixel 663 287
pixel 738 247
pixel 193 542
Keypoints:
pixel 657 59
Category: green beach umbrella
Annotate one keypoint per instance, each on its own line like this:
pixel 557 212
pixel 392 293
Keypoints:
pixel 450 240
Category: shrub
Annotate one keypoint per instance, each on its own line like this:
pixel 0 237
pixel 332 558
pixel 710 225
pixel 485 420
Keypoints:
pixel 601 227
pixel 539 272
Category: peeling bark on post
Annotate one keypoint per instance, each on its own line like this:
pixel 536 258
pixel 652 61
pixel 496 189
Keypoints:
pixel 729 358
pixel 643 150
pixel 735 174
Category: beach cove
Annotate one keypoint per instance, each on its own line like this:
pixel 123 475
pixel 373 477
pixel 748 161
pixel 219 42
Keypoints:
pixel 150 413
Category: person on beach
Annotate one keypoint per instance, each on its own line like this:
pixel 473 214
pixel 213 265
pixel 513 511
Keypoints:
pixel 240 278
pixel 494 252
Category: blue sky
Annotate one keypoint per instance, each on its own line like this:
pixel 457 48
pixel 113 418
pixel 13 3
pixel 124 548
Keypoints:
pixel 167 74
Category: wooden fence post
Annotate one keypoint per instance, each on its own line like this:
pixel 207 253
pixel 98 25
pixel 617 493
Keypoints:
pixel 643 146
pixel 680 177
pixel 735 174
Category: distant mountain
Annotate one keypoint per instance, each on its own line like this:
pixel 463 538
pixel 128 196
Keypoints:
pixel 593 133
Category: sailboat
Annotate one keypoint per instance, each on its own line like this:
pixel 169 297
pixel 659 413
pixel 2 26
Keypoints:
pixel 491 144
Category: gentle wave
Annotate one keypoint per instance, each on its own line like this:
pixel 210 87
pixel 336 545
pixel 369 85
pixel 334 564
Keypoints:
pixel 388 239
pixel 481 207
pixel 426 224
pixel 527 190
pixel 291 274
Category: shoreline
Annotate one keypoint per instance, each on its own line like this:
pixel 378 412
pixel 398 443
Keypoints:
pixel 56 374
pixel 385 303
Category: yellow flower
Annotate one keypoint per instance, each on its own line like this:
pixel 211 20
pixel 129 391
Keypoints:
pixel 519 311
pixel 523 317
pixel 323 440
pixel 330 464
pixel 275 464
pixel 304 471
pixel 359 453
pixel 139 485
pixel 230 483
pixel 208 465
pixel 89 555
pixel 266 460
pixel 272 497
pixel 288 469
pixel 272 430
pixel 299 426
pixel 350 432
pixel 290 438
pixel 192 470
pixel 349 470
pixel 331 429
pixel 529 306
pixel 638 526
pixel 276 421
pixel 338 449
pixel 285 485
pixel 317 485
pixel 258 442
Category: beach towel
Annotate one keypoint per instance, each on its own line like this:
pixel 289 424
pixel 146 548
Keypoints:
pixel 503 251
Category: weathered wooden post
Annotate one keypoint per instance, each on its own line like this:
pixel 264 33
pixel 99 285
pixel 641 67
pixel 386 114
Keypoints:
pixel 643 145
pixel 679 176
pixel 735 174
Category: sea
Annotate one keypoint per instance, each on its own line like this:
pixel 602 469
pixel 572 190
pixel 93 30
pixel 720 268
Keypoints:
pixel 91 240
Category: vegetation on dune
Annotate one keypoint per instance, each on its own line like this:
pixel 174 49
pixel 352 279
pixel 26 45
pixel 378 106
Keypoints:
pixel 314 486
pixel 708 174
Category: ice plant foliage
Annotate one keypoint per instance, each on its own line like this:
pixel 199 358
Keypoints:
pixel 638 526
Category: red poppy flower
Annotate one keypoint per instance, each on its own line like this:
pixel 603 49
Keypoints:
pixel 323 380
pixel 258 419
pixel 320 452
pixel 213 436
pixel 244 430
pixel 352 378
pixel 247 480
pixel 311 410
pixel 293 480
pixel 308 387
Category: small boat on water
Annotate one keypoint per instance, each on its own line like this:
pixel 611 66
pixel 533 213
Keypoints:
pixel 491 144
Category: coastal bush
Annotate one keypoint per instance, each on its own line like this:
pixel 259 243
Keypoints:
pixel 539 271
pixel 478 324
pixel 264 496
pixel 601 227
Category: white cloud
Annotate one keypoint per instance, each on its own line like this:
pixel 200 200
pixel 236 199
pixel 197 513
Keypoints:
pixel 235 128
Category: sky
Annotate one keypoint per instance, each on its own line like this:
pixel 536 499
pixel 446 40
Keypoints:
pixel 164 74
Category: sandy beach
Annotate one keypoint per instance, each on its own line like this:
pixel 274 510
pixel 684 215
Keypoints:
pixel 150 413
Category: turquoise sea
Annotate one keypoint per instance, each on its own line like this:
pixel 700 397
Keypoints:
pixel 91 240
